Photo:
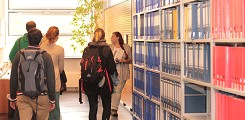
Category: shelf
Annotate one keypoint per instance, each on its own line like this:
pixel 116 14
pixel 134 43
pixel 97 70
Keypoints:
pixel 139 13
pixel 138 66
pixel 191 1
pixel 138 40
pixel 171 76
pixel 153 40
pixel 171 40
pixel 198 41
pixel 197 82
pixel 136 117
pixel 152 70
pixel 153 100
pixel 229 41
pixel 170 6
pixel 152 10
pixel 172 112
pixel 230 90
pixel 197 116
pixel 138 92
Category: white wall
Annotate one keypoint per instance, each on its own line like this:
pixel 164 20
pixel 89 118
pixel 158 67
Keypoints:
pixel 2 30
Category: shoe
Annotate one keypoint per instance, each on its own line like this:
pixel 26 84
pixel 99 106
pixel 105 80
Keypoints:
pixel 114 113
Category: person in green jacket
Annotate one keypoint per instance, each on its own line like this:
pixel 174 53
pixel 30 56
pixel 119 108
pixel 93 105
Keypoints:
pixel 21 42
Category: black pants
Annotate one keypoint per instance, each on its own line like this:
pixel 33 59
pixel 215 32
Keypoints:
pixel 106 102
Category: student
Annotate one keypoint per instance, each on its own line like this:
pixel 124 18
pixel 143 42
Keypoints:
pixel 43 101
pixel 57 54
pixel 21 42
pixel 122 63
pixel 104 90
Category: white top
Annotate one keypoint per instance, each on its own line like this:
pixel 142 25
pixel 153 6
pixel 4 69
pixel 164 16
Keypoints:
pixel 118 53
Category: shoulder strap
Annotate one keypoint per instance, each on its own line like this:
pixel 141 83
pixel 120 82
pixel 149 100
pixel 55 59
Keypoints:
pixel 39 52
pixel 19 42
pixel 22 53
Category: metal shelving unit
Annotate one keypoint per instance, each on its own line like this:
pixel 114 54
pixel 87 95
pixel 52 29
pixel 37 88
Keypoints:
pixel 182 79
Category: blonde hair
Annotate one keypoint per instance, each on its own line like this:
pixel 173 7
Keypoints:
pixel 52 33
pixel 99 34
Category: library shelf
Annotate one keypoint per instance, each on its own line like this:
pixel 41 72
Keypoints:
pixel 229 40
pixel 170 6
pixel 138 66
pixel 198 41
pixel 171 41
pixel 152 70
pixel 172 112
pixel 197 116
pixel 153 40
pixel 171 76
pixel 198 82
pixel 230 90
pixel 138 40
pixel 191 1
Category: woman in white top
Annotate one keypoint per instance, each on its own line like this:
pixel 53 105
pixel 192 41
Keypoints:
pixel 122 56
pixel 57 54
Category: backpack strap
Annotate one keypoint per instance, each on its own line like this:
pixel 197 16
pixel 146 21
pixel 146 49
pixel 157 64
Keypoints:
pixel 23 54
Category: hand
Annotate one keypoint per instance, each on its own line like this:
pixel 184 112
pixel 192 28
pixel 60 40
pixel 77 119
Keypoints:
pixel 13 105
pixel 51 107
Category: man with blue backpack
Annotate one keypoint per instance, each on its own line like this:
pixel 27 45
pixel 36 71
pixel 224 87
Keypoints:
pixel 32 85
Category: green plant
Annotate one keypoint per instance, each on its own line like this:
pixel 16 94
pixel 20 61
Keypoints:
pixel 85 21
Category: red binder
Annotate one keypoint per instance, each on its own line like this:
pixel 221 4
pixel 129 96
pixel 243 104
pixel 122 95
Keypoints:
pixel 227 64
pixel 214 65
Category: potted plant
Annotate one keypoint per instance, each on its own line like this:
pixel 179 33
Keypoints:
pixel 85 22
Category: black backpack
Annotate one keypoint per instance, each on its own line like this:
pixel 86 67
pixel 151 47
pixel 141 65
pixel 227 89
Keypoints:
pixel 31 78
pixel 91 65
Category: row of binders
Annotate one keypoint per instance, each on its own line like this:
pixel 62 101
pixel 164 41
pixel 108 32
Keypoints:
pixel 147 26
pixel 171 97
pixel 139 53
pixel 197 20
pixel 171 58
pixel 139 79
pixel 153 85
pixel 152 25
pixel 151 4
pixel 196 23
pixel 228 18
pixel 197 61
pixel 229 67
pixel 229 107
pixel 153 55
pixel 145 109
pixel 170 23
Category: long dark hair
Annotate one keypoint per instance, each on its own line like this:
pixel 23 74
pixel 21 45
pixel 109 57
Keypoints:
pixel 121 42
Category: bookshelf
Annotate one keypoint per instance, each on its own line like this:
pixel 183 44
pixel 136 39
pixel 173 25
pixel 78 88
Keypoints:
pixel 195 48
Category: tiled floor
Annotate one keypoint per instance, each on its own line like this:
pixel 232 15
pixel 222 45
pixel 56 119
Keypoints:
pixel 71 109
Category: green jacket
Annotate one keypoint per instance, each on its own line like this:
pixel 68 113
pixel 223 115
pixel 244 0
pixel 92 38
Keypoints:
pixel 23 44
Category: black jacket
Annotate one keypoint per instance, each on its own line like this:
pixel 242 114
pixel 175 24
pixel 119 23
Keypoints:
pixel 108 63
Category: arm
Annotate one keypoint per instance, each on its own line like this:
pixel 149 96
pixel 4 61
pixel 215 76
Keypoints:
pixel 61 60
pixel 111 65
pixel 14 50
pixel 14 77
pixel 49 71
